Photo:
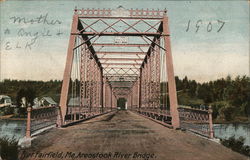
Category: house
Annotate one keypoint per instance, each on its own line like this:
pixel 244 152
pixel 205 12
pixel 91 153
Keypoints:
pixel 44 102
pixel 5 101
pixel 6 106
pixel 47 101
pixel 36 103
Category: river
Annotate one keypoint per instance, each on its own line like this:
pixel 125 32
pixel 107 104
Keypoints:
pixel 225 131
pixel 12 128
pixel 16 128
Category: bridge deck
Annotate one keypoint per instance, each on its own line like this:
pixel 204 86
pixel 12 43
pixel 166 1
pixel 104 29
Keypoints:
pixel 127 132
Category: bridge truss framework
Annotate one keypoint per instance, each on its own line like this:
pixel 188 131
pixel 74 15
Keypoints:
pixel 116 54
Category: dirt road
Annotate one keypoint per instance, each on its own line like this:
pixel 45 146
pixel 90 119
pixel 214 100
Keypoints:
pixel 124 135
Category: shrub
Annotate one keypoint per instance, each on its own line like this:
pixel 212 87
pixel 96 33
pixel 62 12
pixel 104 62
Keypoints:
pixel 228 113
pixel 237 145
pixel 8 110
pixel 217 106
pixel 9 148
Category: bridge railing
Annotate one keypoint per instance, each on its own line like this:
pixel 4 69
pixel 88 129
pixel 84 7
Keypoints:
pixel 77 113
pixel 197 120
pixel 40 118
pixel 159 115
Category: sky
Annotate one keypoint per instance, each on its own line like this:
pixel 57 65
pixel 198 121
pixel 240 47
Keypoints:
pixel 220 47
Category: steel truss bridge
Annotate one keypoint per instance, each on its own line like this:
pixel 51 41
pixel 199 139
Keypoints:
pixel 114 54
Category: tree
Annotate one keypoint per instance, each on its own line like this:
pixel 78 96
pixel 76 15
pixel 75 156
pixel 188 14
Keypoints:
pixel 8 148
pixel 179 84
pixel 205 92
pixel 192 88
pixel 228 112
pixel 185 83
pixel 27 93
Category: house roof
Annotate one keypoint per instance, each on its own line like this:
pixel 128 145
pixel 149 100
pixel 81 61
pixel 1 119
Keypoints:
pixel 49 100
pixel 4 96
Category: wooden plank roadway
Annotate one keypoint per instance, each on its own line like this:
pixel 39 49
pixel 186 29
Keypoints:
pixel 124 135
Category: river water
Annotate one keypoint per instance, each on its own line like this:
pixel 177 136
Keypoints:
pixel 17 129
pixel 12 128
pixel 225 131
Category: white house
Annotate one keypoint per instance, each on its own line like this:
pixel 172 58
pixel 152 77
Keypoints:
pixel 47 101
pixel 5 101
pixel 44 101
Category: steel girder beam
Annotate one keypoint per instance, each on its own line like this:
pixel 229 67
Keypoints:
pixel 121 75
pixel 132 13
pixel 125 18
pixel 119 34
pixel 84 42
pixel 123 68
pixel 91 48
pixel 152 45
pixel 102 89
pixel 124 53
pixel 119 45
pixel 128 26
pixel 67 72
pixel 139 89
pixel 120 70
pixel 170 76
pixel 122 59
pixel 126 64
pixel 137 67
pixel 117 78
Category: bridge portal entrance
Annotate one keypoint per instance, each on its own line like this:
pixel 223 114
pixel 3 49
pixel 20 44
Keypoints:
pixel 122 103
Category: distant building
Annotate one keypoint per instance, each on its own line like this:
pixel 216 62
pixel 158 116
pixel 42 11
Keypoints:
pixel 5 101
pixel 47 101
pixel 44 102
pixel 36 103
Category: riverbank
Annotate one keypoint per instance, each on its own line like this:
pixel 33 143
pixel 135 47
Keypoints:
pixel 237 145
pixel 12 117
pixel 239 120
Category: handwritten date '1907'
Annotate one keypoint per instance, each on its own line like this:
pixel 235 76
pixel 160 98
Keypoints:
pixel 209 25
